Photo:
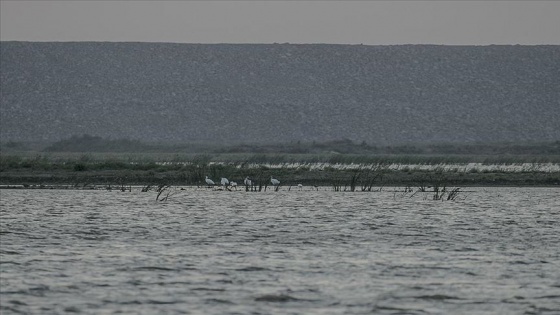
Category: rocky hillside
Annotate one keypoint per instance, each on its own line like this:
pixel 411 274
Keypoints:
pixel 274 93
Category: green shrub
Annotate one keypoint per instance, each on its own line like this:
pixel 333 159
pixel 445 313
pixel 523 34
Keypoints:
pixel 79 167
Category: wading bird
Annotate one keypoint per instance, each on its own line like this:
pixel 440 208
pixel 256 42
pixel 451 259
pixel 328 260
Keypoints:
pixel 247 181
pixel 224 181
pixel 209 182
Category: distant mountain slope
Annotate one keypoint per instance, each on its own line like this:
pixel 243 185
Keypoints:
pixel 279 92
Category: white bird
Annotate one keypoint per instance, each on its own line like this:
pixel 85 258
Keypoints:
pixel 209 181
pixel 224 181
pixel 274 181
pixel 300 186
pixel 247 181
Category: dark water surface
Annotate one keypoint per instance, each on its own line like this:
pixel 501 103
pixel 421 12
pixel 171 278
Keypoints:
pixel 492 251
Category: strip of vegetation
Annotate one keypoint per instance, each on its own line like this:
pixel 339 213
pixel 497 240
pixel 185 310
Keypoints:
pixel 343 165
pixel 127 170
pixel 111 160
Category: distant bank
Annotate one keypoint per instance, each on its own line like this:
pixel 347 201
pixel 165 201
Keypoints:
pixel 340 172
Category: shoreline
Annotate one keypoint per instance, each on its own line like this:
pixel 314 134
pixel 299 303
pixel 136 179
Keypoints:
pixel 35 179
pixel 242 188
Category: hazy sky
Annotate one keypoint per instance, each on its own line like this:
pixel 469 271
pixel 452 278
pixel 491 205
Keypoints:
pixel 343 22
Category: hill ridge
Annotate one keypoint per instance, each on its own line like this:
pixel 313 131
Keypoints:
pixel 272 93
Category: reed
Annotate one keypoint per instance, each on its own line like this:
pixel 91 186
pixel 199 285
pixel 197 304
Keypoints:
pixel 164 191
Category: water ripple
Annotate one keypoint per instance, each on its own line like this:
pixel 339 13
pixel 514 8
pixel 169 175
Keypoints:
pixel 311 252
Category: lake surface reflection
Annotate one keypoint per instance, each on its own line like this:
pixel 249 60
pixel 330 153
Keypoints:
pixel 491 251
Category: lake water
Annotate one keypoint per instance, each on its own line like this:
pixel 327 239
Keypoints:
pixel 491 251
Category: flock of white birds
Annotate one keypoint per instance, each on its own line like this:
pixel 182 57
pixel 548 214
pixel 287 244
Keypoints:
pixel 247 182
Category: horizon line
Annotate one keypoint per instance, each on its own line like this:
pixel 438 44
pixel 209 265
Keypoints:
pixel 273 43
